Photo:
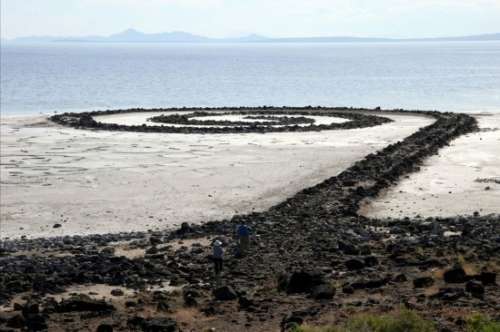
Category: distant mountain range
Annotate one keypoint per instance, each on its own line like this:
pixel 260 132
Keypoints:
pixel 134 36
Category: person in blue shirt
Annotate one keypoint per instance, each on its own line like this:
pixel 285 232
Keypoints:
pixel 243 235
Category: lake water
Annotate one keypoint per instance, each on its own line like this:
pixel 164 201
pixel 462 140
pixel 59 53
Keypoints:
pixel 452 76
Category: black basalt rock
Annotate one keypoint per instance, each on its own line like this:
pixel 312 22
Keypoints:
pixel 323 292
pixel 83 302
pixel 475 288
pixel 455 275
pixel 225 293
pixel 303 282
pixel 423 282
pixel 104 327
pixel 354 264
pixel 488 278
pixel 152 324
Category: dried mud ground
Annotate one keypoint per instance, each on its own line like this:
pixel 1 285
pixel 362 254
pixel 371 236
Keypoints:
pixel 312 259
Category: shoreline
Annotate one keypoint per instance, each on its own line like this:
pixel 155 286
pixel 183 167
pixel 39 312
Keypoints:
pixel 345 262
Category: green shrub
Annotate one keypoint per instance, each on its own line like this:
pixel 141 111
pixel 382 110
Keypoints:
pixel 405 321
pixel 481 323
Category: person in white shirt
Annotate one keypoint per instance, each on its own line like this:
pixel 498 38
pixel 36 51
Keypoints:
pixel 218 257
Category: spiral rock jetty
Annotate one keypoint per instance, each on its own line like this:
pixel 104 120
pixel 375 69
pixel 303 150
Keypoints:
pixel 312 257
pixel 257 120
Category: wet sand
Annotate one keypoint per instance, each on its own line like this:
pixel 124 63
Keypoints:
pixel 99 182
pixel 462 179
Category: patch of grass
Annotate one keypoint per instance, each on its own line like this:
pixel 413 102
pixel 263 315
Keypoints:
pixel 482 323
pixel 405 321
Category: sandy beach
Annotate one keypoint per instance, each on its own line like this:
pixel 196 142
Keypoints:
pixel 98 182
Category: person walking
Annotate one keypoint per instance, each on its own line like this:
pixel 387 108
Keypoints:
pixel 218 259
pixel 243 234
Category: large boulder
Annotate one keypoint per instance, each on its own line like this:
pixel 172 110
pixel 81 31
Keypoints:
pixel 475 288
pixel 291 321
pixel 354 264
pixel 190 295
pixel 82 302
pixel 323 292
pixel 159 325
pixel 16 321
pixel 225 293
pixel 348 248
pixel 371 261
pixel 303 282
pixel 423 282
pixel 152 324
pixel 488 278
pixel 245 302
pixel 370 283
pixel 105 327
pixel 185 229
pixel 455 275
pixel 36 322
pixel 449 294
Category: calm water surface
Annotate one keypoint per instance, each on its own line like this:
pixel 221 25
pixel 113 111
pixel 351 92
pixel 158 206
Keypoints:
pixel 453 76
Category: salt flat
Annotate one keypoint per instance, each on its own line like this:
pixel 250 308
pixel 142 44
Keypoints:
pixel 99 182
pixel 462 179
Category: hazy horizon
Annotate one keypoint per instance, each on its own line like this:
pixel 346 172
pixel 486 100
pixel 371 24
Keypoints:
pixel 241 37
pixel 230 18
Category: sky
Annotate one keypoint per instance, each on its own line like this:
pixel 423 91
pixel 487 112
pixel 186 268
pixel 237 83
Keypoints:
pixel 233 18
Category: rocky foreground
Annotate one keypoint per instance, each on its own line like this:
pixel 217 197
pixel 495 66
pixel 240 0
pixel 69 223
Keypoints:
pixel 312 259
